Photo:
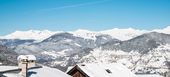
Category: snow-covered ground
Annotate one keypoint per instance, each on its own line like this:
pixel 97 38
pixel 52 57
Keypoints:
pixel 149 75
pixel 153 62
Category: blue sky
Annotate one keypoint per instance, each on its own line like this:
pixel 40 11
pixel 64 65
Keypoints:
pixel 69 15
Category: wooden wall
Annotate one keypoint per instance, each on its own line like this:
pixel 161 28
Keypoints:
pixel 77 74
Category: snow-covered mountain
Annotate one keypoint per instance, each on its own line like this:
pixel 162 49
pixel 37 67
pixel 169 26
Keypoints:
pixel 65 49
pixel 165 30
pixel 147 53
pixel 7 56
pixel 137 49
pixel 85 34
pixel 11 43
pixel 62 49
pixel 143 43
pixel 121 34
pixel 124 34
pixel 155 61
pixel 30 34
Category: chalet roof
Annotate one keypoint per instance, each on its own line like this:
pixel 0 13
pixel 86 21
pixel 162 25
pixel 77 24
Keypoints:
pixel 38 72
pixel 104 70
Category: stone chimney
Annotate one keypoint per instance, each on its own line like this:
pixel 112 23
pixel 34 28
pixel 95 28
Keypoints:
pixel 25 62
pixel 31 61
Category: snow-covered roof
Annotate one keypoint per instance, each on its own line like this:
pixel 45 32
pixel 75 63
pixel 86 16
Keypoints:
pixel 38 72
pixel 4 68
pixel 29 57
pixel 105 70
pixel 21 57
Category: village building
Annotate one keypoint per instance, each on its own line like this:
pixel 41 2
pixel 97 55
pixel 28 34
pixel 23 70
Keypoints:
pixel 27 67
pixel 100 70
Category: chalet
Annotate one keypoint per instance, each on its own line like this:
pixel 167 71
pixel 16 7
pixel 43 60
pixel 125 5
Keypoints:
pixel 27 67
pixel 100 70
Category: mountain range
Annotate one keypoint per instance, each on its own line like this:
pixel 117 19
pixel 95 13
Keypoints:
pixel 142 51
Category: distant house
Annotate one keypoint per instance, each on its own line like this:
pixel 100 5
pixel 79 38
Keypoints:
pixel 100 70
pixel 27 68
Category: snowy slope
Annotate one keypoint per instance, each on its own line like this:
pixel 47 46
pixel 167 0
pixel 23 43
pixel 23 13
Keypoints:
pixel 84 34
pixel 123 34
pixel 165 30
pixel 155 61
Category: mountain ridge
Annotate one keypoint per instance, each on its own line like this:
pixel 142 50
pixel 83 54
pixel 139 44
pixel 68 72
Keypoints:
pixel 121 34
pixel 65 49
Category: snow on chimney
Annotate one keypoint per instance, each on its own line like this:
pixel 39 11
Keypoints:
pixel 25 62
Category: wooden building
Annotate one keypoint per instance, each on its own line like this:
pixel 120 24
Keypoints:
pixel 77 72
pixel 100 70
